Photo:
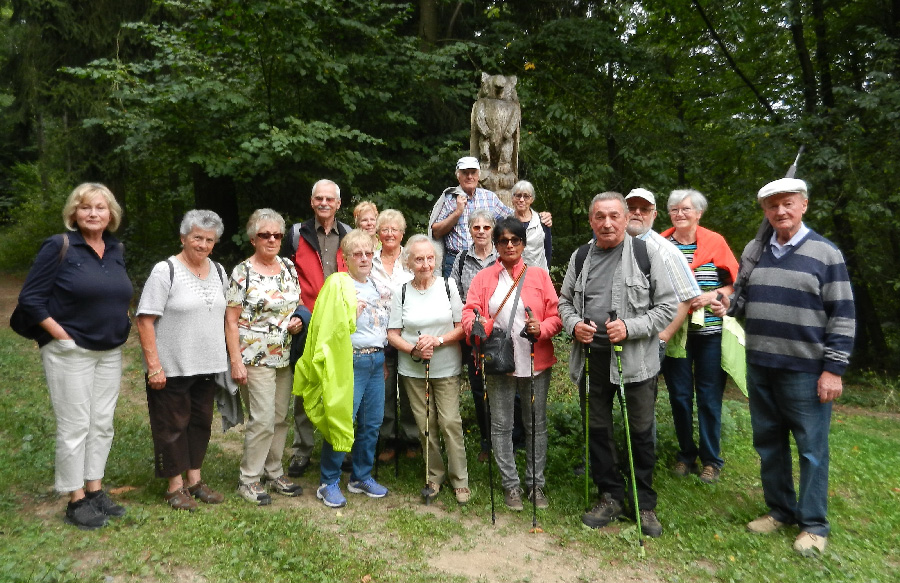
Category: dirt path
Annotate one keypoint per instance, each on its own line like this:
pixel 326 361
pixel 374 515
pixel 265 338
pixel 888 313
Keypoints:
pixel 9 294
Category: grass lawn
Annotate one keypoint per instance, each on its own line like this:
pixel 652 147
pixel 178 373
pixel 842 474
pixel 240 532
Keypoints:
pixel 397 539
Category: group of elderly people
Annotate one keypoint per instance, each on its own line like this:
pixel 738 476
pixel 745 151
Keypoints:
pixel 412 316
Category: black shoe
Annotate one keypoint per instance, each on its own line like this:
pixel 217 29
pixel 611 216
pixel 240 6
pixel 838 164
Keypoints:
pixel 85 515
pixel 298 466
pixel 650 524
pixel 603 513
pixel 103 503
pixel 347 464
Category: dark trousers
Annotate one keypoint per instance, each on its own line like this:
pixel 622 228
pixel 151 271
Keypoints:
pixel 180 422
pixel 606 470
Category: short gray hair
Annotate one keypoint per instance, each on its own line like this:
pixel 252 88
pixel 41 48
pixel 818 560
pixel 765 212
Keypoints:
pixel 608 195
pixel 337 189
pixel 415 240
pixel 260 216
pixel 202 219
pixel 697 199
pixel 481 214
pixel 523 186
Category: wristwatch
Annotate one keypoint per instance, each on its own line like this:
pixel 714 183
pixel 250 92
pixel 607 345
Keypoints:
pixel 440 339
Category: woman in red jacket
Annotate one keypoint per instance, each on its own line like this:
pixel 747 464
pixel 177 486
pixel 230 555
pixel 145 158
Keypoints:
pixel 492 293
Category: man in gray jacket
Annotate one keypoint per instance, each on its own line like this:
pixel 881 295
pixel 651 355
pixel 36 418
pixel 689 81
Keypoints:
pixel 619 273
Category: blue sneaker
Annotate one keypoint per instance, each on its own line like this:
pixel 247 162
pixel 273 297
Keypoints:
pixel 331 495
pixel 369 487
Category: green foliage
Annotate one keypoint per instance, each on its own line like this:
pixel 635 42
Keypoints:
pixel 36 213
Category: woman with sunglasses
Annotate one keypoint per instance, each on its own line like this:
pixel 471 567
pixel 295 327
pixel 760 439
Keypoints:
pixel 480 254
pixel 539 249
pixel 262 295
pixel 492 293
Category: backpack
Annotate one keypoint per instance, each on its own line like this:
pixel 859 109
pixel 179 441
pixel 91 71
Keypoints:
pixel 20 323
pixel 640 254
pixel 292 240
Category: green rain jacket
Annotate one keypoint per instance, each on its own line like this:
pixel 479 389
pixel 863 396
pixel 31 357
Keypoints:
pixel 324 374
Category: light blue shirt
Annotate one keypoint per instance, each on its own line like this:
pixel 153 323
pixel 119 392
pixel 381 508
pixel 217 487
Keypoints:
pixel 779 250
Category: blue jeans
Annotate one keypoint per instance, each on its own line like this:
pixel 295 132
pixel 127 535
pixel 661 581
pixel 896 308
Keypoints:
pixel 784 402
pixel 702 372
pixel 447 263
pixel 368 411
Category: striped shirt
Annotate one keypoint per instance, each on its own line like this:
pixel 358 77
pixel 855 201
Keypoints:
pixel 707 276
pixel 458 238
pixel 800 310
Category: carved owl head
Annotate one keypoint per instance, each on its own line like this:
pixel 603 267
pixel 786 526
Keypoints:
pixel 498 87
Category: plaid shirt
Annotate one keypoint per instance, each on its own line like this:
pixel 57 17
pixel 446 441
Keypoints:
pixel 458 238
pixel 464 272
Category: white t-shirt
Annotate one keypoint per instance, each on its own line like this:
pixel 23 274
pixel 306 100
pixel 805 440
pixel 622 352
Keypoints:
pixel 190 329
pixel 432 313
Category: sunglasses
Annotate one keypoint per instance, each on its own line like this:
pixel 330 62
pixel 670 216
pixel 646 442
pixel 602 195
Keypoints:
pixel 479 228
pixel 276 236
pixel 515 241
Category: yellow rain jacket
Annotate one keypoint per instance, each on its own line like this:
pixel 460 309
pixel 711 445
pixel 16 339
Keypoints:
pixel 324 374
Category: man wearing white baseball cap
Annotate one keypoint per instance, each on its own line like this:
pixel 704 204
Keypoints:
pixel 641 214
pixel 449 222
pixel 800 327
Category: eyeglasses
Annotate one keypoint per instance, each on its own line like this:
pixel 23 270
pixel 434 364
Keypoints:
pixel 643 210
pixel 360 254
pixel 480 228
pixel 388 230
pixel 276 236
pixel 681 211
pixel 522 195
pixel 515 241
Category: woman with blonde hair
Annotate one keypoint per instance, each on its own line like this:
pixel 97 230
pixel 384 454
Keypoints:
pixel 77 295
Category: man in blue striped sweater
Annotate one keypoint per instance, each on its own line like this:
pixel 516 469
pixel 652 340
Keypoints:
pixel 800 325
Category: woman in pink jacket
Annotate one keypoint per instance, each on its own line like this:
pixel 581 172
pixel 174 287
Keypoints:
pixel 493 295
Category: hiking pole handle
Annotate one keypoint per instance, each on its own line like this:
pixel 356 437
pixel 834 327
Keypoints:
pixel 525 333
pixel 616 347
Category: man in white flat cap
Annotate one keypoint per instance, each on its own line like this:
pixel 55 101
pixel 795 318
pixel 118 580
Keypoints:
pixel 449 221
pixel 800 326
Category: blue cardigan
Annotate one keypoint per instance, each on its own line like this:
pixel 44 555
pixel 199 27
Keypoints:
pixel 88 296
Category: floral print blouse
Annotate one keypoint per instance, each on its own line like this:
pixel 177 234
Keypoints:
pixel 267 303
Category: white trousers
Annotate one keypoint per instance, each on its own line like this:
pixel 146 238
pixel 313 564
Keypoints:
pixel 84 387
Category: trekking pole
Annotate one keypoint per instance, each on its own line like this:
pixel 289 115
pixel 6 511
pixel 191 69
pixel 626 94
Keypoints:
pixel 587 452
pixel 637 511
pixel 397 429
pixel 477 336
pixel 532 340
pixel 427 492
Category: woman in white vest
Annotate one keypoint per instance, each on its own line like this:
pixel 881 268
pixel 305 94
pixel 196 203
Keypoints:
pixel 539 248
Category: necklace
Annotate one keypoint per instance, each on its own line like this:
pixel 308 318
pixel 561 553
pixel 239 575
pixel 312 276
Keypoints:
pixel 196 270
pixel 424 289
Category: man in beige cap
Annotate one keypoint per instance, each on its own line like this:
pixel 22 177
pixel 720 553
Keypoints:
pixel 800 327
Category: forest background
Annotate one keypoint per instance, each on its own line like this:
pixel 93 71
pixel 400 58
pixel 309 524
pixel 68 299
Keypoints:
pixel 238 104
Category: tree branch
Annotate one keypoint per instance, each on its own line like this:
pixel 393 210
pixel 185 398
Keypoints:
pixel 734 67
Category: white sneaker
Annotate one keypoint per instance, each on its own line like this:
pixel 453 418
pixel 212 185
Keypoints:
pixel 254 492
